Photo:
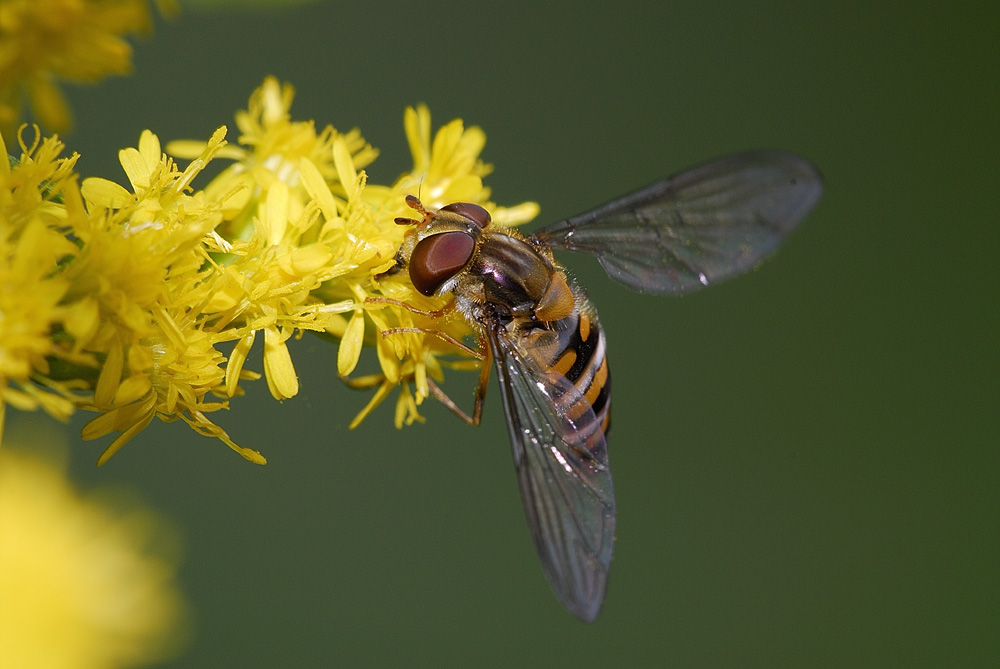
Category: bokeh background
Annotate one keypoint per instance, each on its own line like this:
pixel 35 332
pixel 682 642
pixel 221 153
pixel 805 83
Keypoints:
pixel 805 459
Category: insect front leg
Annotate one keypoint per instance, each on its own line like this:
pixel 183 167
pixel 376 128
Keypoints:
pixel 438 313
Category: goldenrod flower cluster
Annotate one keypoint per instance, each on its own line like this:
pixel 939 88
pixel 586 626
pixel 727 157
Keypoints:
pixel 120 299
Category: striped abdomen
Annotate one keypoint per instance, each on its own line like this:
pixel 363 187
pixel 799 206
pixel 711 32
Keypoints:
pixel 574 348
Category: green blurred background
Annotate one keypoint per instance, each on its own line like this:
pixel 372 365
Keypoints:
pixel 805 459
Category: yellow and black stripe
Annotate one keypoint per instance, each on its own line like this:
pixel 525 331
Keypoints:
pixel 581 358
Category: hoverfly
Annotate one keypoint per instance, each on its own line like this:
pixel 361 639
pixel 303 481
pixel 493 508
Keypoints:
pixel 538 328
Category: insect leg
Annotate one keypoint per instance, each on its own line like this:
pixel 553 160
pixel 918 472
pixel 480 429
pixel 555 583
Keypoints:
pixel 437 333
pixel 443 311
pixel 482 354
pixel 484 382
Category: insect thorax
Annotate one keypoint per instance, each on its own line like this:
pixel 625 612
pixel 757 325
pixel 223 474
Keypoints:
pixel 511 274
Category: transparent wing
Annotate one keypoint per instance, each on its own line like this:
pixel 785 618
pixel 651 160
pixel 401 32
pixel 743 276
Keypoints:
pixel 562 469
pixel 698 227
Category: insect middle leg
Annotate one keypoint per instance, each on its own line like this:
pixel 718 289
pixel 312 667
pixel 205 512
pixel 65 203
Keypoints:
pixel 444 336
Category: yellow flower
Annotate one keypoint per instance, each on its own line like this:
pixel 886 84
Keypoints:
pixel 144 259
pixel 272 147
pixel 319 240
pixel 117 299
pixel 445 171
pixel 290 229
pixel 310 240
pixel 39 200
pixel 81 582
pixel 75 40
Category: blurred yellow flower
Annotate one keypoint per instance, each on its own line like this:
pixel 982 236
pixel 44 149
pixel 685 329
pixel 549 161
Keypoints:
pixel 81 41
pixel 80 582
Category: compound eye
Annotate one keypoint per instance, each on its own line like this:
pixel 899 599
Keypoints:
pixel 473 212
pixel 437 258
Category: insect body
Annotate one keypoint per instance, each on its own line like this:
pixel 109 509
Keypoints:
pixel 548 347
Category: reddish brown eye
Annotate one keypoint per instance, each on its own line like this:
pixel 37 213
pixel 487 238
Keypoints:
pixel 437 258
pixel 473 212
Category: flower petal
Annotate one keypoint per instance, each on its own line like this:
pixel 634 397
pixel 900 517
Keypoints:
pixel 345 167
pixel 111 374
pixel 236 360
pixel 316 186
pixel 281 378
pixel 350 345
pixel 135 168
pixel 103 193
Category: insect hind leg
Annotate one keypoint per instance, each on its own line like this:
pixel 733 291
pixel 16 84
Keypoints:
pixel 482 354
pixel 481 386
